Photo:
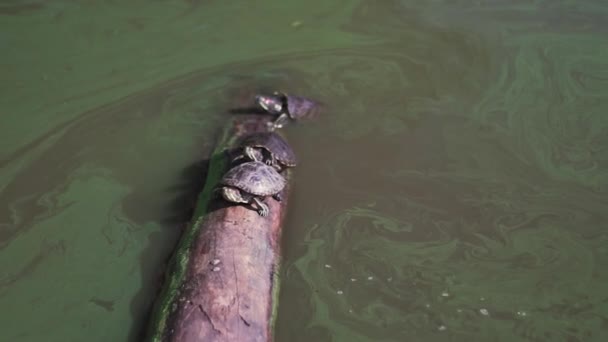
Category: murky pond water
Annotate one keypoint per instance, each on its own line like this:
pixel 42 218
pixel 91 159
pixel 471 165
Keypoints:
pixel 455 190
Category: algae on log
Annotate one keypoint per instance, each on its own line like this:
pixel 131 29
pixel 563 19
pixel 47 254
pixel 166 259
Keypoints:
pixel 222 281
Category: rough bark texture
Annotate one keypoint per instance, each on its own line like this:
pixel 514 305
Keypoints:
pixel 222 282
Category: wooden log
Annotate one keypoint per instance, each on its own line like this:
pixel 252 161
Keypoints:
pixel 222 282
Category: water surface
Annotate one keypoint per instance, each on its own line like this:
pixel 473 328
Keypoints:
pixel 455 190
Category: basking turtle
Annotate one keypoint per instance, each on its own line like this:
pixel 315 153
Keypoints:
pixel 270 148
pixel 286 107
pixel 251 182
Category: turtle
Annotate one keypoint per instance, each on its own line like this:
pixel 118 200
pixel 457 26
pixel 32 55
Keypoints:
pixel 270 148
pixel 286 107
pixel 251 182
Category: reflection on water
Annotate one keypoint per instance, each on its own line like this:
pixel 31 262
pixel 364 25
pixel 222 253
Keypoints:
pixel 456 188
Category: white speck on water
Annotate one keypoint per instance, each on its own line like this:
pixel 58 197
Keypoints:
pixel 215 262
pixel 353 279
pixel 327 266
pixel 445 294
pixel 370 278
pixel 441 328
pixel 339 292
pixel 427 305
pixel 459 310
pixel 484 312
pixel 389 279
pixel 522 313
pixel 216 269
pixel 482 299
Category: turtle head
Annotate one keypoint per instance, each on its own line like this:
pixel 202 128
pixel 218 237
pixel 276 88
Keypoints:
pixel 234 195
pixel 273 104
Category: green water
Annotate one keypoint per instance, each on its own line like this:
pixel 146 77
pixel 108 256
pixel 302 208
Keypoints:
pixel 456 188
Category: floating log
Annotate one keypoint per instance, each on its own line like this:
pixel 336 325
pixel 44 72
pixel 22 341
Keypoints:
pixel 222 281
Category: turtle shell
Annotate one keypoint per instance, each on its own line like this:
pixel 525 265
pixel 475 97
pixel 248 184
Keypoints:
pixel 273 143
pixel 255 178
pixel 299 107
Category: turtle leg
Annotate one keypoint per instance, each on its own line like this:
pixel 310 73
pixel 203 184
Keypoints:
pixel 277 166
pixel 271 160
pixel 250 152
pixel 263 208
pixel 279 122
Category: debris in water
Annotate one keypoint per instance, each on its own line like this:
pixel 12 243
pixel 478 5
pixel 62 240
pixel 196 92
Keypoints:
pixel 484 312
pixel 327 266
pixel 445 294
pixel 339 292
pixel 353 279
pixel 442 328
pixel 370 278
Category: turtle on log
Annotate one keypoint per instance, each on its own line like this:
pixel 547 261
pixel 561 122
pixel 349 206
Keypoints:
pixel 286 107
pixel 250 183
pixel 268 147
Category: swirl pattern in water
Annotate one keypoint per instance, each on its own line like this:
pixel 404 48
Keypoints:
pixel 459 184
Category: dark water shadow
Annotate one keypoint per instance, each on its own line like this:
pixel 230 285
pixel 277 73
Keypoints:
pixel 187 189
pixel 155 257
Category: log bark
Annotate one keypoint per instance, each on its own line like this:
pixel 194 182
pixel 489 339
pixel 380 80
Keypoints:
pixel 222 284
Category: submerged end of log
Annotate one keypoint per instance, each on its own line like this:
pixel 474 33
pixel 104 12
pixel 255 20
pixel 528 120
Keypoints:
pixel 222 283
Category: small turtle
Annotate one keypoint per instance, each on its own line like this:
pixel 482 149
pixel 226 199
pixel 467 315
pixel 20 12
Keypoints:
pixel 286 107
pixel 270 148
pixel 251 182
